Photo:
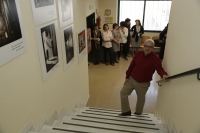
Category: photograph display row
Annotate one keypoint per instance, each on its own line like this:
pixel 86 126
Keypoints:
pixel 45 11
pixel 47 35
pixel 48 47
pixel 12 37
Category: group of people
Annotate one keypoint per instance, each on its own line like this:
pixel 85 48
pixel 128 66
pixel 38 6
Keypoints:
pixel 116 41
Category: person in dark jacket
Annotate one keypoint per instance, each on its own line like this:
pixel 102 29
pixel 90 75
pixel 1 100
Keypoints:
pixel 161 42
pixel 96 43
pixel 127 45
pixel 138 30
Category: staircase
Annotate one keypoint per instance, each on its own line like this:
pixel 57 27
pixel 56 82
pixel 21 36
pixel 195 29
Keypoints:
pixel 97 120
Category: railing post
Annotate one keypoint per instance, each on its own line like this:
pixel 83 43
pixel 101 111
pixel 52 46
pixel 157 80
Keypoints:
pixel 198 77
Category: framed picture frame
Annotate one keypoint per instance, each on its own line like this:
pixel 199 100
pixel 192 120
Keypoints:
pixel 12 36
pixel 47 38
pixel 65 8
pixel 43 11
pixel 67 40
pixel 81 39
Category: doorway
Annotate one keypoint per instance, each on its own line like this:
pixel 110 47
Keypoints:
pixel 90 20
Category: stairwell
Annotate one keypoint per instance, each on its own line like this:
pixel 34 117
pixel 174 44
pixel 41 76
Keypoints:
pixel 98 120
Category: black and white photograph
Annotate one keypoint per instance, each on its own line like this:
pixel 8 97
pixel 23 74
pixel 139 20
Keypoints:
pixel 10 30
pixel 43 11
pixel 42 3
pixel 67 45
pixel 48 48
pixel 12 39
pixel 81 44
pixel 65 12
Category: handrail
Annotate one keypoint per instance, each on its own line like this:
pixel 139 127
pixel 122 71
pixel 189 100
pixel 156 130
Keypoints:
pixel 187 73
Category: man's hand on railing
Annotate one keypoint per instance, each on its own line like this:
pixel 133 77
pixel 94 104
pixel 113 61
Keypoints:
pixel 164 77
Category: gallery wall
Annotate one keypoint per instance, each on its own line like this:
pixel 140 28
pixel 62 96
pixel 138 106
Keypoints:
pixel 178 99
pixel 24 95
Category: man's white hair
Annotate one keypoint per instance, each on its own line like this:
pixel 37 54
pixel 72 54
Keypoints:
pixel 150 40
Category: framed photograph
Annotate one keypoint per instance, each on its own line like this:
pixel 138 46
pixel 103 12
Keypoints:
pixel 48 48
pixel 67 40
pixel 42 3
pixel 81 45
pixel 65 8
pixel 43 11
pixel 12 36
pixel 89 44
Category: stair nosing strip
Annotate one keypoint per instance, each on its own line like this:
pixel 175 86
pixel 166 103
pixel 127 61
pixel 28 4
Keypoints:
pixel 60 129
pixel 117 116
pixel 115 113
pixel 108 110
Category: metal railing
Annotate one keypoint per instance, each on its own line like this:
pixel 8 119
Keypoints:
pixel 187 73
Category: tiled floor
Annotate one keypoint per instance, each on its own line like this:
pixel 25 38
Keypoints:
pixel 105 83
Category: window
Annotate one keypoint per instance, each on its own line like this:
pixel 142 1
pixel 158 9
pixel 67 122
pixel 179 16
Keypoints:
pixel 154 15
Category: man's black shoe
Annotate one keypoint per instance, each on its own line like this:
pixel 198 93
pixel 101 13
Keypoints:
pixel 125 114
pixel 137 113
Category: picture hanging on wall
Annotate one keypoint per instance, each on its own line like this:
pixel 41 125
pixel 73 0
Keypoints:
pixel 81 45
pixel 67 45
pixel 48 48
pixel 65 8
pixel 43 11
pixel 12 36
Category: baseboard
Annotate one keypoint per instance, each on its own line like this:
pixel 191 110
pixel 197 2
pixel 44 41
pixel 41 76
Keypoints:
pixel 27 127
pixel 87 101
pixel 62 114
pixel 52 119
pixel 42 122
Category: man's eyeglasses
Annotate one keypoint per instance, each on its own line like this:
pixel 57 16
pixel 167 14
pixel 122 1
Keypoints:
pixel 145 46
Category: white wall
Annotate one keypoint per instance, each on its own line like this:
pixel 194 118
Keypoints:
pixel 94 4
pixel 23 94
pixel 108 4
pixel 178 99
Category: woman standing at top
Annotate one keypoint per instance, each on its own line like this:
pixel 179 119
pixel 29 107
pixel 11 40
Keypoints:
pixel 116 41
pixel 138 30
pixel 107 39
pixel 96 42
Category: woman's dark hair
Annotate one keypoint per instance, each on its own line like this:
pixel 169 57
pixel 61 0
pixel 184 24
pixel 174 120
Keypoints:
pixel 104 26
pixel 114 25
pixel 123 23
pixel 127 20
pixel 95 25
pixel 138 21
